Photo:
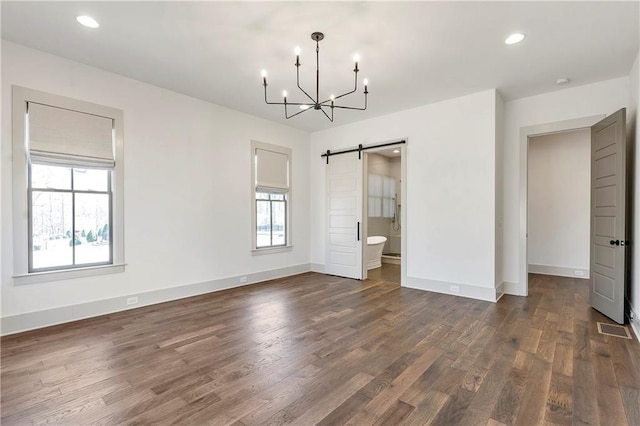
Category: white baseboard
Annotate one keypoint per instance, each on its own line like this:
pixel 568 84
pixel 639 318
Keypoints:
pixel 392 260
pixel 513 289
pixel 39 319
pixel 560 271
pixel 499 291
pixel 318 267
pixel 464 290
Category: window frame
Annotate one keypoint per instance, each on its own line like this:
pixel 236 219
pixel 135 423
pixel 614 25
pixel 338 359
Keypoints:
pixel 21 182
pixel 379 197
pixel 287 246
pixel 72 191
pixel 286 215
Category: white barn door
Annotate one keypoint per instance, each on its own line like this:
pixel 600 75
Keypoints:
pixel 344 220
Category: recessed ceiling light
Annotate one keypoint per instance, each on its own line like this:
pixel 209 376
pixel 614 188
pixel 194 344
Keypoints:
pixel 87 21
pixel 514 38
pixel 304 107
pixel 395 151
pixel 562 81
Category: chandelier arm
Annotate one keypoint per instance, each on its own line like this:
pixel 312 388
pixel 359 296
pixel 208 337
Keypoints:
pixel 344 94
pixel 327 115
pixel 354 108
pixel 288 103
pixel 265 98
pixel 297 113
pixel 355 86
pixel 294 103
pixel 299 87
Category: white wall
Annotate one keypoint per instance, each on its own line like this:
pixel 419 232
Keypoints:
pixel 633 126
pixel 603 97
pixel 187 185
pixel 559 202
pixel 450 189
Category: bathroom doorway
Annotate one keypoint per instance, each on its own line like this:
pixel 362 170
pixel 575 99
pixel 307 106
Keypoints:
pixel 383 213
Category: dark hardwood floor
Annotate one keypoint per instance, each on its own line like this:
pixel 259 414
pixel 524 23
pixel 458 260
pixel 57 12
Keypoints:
pixel 318 349
pixel 387 272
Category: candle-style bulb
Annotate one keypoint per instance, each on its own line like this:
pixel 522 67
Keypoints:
pixel 366 81
pixel 264 73
pixel 297 50
pixel 332 97
pixel 356 58
pixel 264 77
pixel 284 93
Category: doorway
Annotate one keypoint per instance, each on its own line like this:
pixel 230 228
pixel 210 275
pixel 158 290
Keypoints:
pixel 347 204
pixel 559 202
pixel 608 217
pixel 526 134
pixel 383 206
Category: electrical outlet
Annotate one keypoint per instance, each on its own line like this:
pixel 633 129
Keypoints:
pixel 132 300
pixel 243 280
pixel 578 273
pixel 454 288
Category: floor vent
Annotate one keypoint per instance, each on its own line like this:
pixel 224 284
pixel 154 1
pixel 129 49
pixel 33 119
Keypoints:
pixel 614 330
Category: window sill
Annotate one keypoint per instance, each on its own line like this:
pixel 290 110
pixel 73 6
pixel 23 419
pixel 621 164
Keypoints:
pixel 41 277
pixel 270 250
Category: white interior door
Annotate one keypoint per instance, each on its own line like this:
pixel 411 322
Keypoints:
pixel 608 228
pixel 344 216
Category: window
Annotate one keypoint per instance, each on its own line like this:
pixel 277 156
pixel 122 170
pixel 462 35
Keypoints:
pixel 382 193
pixel 271 189
pixel 69 217
pixel 67 188
pixel 271 219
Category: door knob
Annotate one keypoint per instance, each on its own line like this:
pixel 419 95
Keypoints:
pixel 614 242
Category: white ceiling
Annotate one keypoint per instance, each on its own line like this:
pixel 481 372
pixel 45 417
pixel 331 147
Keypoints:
pixel 413 53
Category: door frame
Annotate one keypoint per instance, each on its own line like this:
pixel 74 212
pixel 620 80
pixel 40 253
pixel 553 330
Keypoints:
pixel 522 287
pixel 403 210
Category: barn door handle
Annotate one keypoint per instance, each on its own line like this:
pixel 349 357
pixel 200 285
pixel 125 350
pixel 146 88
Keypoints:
pixel 358 231
pixel 615 242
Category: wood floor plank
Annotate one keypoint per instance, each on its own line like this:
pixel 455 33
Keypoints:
pixel 395 415
pixel 316 349
pixel 428 408
pixel 319 411
pixel 509 401
pixel 610 403
pixel 534 397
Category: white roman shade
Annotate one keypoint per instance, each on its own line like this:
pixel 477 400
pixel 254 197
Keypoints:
pixel 272 171
pixel 62 136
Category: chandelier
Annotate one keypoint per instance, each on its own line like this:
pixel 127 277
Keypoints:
pixel 316 103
